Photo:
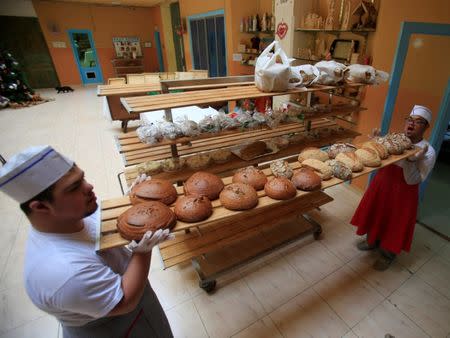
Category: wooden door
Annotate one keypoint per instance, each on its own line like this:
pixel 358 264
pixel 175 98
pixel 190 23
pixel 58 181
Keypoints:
pixel 23 38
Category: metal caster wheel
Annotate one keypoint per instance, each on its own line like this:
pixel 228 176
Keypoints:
pixel 317 234
pixel 207 286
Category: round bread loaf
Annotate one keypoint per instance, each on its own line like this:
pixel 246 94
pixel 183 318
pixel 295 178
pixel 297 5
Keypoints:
pixel 400 138
pixel 193 208
pixel 280 188
pixel 393 147
pixel 312 153
pixel 368 157
pixel 340 148
pixel 154 189
pixel 306 179
pixel 322 169
pixel 378 147
pixel 281 168
pixel 221 155
pixel 351 161
pixel 252 176
pixel 340 170
pixel 203 183
pixel 238 196
pixel 143 217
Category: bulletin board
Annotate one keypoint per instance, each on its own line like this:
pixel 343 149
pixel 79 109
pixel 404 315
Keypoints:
pixel 125 46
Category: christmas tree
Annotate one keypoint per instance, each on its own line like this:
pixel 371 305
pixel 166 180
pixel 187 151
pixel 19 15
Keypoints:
pixel 13 87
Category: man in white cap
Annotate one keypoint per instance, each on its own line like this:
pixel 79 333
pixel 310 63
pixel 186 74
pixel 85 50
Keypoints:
pixel 92 295
pixel 387 212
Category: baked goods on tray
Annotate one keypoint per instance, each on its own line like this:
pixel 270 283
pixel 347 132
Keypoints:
pixel 149 168
pixel 198 161
pixel 306 179
pixel 203 183
pixel 281 168
pixel 173 164
pixel 250 175
pixel 221 155
pixel 340 170
pixel 322 169
pixel 193 208
pixel 154 189
pixel 137 220
pixel 280 188
pixel 340 148
pixel 378 147
pixel 312 153
pixel 238 196
pixel 351 161
pixel 368 157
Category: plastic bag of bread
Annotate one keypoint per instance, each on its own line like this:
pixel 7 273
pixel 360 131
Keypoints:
pixel 226 122
pixel 364 74
pixel 170 130
pixel 209 125
pixel 246 120
pixel 331 72
pixel 188 127
pixel 149 133
pixel 309 74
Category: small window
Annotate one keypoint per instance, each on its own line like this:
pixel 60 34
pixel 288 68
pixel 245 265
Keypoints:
pixel 91 75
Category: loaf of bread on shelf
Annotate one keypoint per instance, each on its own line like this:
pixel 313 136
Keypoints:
pixel 306 179
pixel 143 217
pixel 281 142
pixel 238 196
pixel 149 168
pixel 198 161
pixel 173 164
pixel 221 155
pixel 312 153
pixel 368 157
pixel 340 170
pixel 280 188
pixel 203 183
pixel 193 208
pixel 281 168
pixel 351 161
pixel 340 148
pixel 322 169
pixel 253 149
pixel 250 175
pixel 378 147
pixel 154 189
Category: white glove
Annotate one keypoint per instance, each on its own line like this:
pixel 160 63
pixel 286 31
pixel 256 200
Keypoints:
pixel 139 179
pixel 419 155
pixel 149 240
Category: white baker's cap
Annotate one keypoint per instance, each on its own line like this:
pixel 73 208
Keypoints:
pixel 422 112
pixel 31 171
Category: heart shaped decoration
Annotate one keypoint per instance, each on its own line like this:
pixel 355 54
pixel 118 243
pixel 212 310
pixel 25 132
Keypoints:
pixel 282 29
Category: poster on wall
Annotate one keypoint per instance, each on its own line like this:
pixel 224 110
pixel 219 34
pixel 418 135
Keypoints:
pixel 127 47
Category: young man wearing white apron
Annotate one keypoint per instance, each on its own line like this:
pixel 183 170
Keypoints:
pixel 91 295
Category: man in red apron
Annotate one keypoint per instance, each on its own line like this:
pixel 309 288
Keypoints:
pixel 100 295
pixel 387 211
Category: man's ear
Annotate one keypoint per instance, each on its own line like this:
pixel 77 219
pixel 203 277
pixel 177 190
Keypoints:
pixel 39 206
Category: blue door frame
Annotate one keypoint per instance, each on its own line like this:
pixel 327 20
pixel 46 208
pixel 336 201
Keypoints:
pixel 441 122
pixel 159 51
pixel 89 74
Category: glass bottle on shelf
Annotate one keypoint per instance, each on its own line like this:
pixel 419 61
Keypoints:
pixel 241 27
pixel 264 22
pixel 255 24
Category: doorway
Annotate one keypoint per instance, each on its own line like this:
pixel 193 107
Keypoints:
pixel 207 41
pixel 86 56
pixel 177 30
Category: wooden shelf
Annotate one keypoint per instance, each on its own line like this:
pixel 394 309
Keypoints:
pixel 138 104
pixel 335 31
pixel 111 209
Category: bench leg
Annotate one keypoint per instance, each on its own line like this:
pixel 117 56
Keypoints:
pixel 125 126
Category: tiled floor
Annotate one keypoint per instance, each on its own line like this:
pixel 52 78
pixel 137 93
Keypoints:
pixel 322 288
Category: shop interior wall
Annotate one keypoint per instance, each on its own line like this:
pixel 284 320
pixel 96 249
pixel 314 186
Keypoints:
pixel 234 11
pixel 105 22
pixel 412 89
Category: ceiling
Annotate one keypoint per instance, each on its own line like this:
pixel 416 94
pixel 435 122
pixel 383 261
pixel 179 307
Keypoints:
pixel 137 3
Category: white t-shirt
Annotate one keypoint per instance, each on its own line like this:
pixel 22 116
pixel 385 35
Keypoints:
pixel 416 172
pixel 66 278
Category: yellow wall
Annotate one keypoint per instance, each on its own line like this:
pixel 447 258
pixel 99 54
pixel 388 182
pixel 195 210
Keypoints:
pixel 423 76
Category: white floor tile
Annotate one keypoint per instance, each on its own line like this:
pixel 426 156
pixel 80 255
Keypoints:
pixel 185 321
pixel 43 327
pixel 341 241
pixel 436 272
pixel 264 328
pixel 424 306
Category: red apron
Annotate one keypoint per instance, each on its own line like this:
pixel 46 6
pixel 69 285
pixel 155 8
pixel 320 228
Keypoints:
pixel 387 211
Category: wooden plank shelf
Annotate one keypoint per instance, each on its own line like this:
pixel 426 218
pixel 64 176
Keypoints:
pixel 111 209
pixel 173 100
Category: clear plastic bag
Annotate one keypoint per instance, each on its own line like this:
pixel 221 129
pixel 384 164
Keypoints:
pixel 331 72
pixel 365 74
pixel 209 125
pixel 245 120
pixel 226 122
pixel 149 133
pixel 259 118
pixel 170 130
pixel 188 127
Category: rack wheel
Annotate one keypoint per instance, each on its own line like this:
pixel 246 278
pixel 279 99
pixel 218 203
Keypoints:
pixel 207 286
pixel 317 233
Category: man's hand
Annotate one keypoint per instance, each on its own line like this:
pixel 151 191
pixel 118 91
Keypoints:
pixel 374 133
pixel 419 155
pixel 149 240
pixel 139 179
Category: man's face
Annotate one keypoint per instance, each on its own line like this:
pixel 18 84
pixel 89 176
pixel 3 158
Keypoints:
pixel 73 197
pixel 415 126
